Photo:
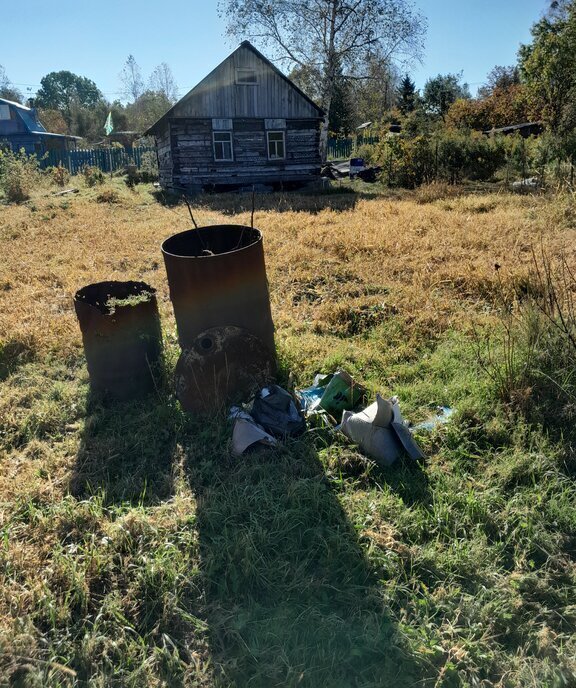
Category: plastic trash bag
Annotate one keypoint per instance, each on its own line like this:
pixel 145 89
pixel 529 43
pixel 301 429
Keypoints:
pixel 247 432
pixel 380 432
pixel 274 409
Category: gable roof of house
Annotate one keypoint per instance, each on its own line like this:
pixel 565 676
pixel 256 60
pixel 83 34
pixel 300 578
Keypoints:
pixel 30 119
pixel 245 44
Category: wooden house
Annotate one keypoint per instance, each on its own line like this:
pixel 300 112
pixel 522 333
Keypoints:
pixel 21 129
pixel 245 123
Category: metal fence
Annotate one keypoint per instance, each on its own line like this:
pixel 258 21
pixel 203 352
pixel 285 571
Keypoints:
pixel 105 159
pixel 345 148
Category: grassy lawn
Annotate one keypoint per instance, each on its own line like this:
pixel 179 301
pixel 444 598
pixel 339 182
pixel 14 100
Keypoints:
pixel 136 551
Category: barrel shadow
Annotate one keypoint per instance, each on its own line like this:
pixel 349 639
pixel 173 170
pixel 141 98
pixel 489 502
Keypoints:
pixel 291 599
pixel 126 450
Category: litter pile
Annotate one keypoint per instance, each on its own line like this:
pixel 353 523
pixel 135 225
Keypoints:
pixel 379 430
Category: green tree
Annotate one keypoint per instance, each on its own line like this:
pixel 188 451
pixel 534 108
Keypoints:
pixel 407 97
pixel 548 66
pixel 65 91
pixel 89 122
pixel 374 93
pixel 331 36
pixel 342 118
pixel 443 90
pixel 146 110
pixel 499 78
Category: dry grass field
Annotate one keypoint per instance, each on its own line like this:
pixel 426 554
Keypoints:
pixel 134 551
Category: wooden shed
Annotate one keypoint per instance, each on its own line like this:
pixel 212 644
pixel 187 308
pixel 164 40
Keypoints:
pixel 245 123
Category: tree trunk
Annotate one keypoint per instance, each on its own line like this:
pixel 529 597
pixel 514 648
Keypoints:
pixel 329 81
pixel 324 133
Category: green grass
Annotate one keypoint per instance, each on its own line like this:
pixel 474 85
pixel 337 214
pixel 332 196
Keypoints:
pixel 170 563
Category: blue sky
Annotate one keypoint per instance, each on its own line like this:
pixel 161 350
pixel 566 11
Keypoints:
pixel 93 39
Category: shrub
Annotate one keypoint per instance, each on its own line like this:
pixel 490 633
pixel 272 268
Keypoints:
pixel 410 161
pixel 60 175
pixel 532 361
pixel 149 166
pixel 92 175
pixel 367 152
pixel 19 174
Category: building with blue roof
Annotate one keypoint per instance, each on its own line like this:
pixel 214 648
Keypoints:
pixel 20 128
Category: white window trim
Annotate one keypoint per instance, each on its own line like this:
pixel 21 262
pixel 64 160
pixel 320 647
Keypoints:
pixel 246 83
pixel 276 131
pixel 230 159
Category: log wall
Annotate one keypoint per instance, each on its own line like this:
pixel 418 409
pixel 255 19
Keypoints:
pixel 186 154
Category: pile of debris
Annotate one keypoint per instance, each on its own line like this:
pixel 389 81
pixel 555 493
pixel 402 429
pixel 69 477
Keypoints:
pixel 379 430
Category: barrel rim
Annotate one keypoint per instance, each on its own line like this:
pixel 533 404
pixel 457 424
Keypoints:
pixel 257 241
pixel 81 298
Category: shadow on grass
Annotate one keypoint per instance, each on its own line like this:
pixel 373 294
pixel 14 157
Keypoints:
pixel 126 450
pixel 338 199
pixel 290 596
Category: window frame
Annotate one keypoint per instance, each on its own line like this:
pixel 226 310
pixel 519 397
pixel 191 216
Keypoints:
pixel 276 141
pixel 230 140
pixel 241 82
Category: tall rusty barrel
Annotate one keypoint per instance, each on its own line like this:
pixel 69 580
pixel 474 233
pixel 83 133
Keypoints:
pixel 217 277
pixel 122 337
pixel 219 292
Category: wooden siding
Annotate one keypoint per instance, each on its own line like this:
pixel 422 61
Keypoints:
pixel 218 95
pixel 164 150
pixel 190 156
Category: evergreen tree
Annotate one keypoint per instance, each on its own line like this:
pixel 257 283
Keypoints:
pixel 407 96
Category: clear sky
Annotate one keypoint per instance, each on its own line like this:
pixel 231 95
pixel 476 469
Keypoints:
pixel 94 38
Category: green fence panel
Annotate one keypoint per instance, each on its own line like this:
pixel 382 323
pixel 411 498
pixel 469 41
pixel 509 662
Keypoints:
pixel 346 147
pixel 105 159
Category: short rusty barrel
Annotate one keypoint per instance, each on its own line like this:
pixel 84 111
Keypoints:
pixel 121 334
pixel 217 277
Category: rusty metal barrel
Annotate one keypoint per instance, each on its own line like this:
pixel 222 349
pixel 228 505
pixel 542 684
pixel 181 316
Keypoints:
pixel 122 337
pixel 217 276
pixel 219 291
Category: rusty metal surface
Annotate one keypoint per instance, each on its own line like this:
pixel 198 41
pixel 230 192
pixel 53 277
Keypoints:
pixel 121 341
pixel 217 277
pixel 223 365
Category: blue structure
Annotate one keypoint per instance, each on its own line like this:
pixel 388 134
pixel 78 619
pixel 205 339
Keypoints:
pixel 20 128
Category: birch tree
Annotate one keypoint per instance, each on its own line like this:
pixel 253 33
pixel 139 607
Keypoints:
pixel 328 37
pixel 131 78
pixel 162 81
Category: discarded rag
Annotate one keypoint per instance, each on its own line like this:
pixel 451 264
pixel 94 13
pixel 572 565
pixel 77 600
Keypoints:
pixel 274 409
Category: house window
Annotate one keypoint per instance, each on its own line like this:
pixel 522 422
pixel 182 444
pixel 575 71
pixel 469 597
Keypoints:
pixel 4 111
pixel 276 148
pixel 246 76
pixel 222 145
